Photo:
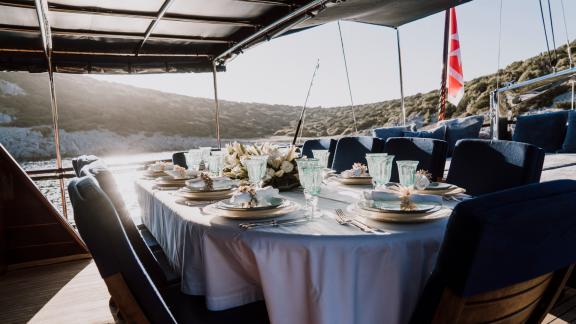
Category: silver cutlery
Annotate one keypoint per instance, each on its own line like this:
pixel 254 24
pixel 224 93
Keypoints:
pixel 342 219
pixel 272 223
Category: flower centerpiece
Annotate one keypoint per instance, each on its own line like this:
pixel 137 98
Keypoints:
pixel 281 171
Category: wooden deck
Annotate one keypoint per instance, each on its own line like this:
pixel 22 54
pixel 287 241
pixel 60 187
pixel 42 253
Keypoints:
pixel 73 292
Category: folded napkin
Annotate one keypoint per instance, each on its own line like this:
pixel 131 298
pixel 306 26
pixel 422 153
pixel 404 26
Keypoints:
pixel 353 173
pixel 394 196
pixel 199 183
pixel 262 195
pixel 161 166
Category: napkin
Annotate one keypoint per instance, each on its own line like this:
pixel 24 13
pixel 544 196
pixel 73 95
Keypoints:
pixel 392 196
pixel 264 194
pixel 199 183
pixel 352 173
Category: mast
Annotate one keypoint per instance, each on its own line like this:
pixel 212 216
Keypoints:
pixel 443 90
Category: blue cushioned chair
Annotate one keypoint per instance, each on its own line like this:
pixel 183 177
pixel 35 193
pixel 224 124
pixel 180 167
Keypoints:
pixel 462 128
pixel 484 166
pixel 385 133
pixel 350 150
pixel 543 130
pixel 179 158
pixel 320 144
pixel 431 153
pixel 136 296
pixel 504 257
pixel 145 245
pixel 569 145
pixel 81 161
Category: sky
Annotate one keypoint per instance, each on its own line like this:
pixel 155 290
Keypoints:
pixel 279 71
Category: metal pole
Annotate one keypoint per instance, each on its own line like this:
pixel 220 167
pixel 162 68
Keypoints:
pixel 41 9
pixel 401 81
pixel 348 78
pixel 567 39
pixel 443 90
pixel 494 114
pixel 301 119
pixel 217 104
pixel 573 83
pixel 546 37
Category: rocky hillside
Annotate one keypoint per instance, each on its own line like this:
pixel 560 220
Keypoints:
pixel 88 105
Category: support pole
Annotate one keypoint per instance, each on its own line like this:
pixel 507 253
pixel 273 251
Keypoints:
pixel 570 59
pixel 303 111
pixel 573 81
pixel 401 80
pixel 443 90
pixel 348 79
pixel 44 25
pixel 494 115
pixel 217 104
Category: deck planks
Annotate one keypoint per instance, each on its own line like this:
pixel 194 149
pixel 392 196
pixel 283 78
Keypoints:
pixel 70 292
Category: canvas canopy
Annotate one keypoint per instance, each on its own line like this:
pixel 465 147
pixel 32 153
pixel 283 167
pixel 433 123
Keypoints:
pixel 159 36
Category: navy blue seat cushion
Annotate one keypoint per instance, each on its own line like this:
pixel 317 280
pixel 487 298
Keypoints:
pixel 543 130
pixel 100 228
pixel 436 133
pixel 320 144
pixel 462 128
pixel 179 158
pixel 81 161
pixel 569 145
pixel 350 150
pixel 431 153
pixel 501 239
pixel 142 240
pixel 484 166
pixel 384 133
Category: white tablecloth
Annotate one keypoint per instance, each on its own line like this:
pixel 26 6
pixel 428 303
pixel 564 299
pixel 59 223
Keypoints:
pixel 317 272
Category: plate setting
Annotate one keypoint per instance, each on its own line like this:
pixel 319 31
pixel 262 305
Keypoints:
pixel 397 207
pixel 279 207
pixel 271 203
pixel 361 180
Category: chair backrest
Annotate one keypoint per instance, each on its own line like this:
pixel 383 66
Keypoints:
pixel 81 161
pixel 350 150
pixel 431 153
pixel 505 256
pixel 105 180
pixel 462 128
pixel 384 133
pixel 484 166
pixel 128 283
pixel 320 144
pixel 546 130
pixel 179 158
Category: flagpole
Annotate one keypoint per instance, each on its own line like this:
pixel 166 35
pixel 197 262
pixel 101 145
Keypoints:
pixel 443 89
pixel 401 81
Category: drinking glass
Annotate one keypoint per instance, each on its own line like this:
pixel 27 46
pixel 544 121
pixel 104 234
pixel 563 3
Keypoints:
pixel 407 172
pixel 193 159
pixel 205 151
pixel 311 179
pixel 322 156
pixel 216 163
pixel 379 167
pixel 256 167
pixel 300 163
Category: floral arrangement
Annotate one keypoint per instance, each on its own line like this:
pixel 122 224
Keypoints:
pixel 281 171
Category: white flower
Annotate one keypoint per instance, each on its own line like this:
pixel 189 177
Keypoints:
pixel 279 173
pixel 287 167
pixel 270 172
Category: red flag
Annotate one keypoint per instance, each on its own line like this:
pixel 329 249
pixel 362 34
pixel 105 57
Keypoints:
pixel 455 74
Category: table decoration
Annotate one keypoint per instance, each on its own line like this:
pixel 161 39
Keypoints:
pixel 422 180
pixel 281 171
pixel 180 173
pixel 393 217
pixel 194 159
pixel 407 172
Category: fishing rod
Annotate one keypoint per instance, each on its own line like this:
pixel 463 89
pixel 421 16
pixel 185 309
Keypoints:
pixel 305 103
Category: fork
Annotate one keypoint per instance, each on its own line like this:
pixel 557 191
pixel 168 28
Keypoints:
pixel 342 219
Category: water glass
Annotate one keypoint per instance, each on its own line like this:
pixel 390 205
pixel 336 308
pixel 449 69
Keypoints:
pixel 379 167
pixel 301 163
pixel 193 159
pixel 407 172
pixel 216 163
pixel 205 151
pixel 256 167
pixel 322 156
pixel 311 179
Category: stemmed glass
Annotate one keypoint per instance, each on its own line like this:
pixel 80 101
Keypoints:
pixel 311 179
pixel 216 163
pixel 256 167
pixel 205 153
pixel 322 156
pixel 193 159
pixel 379 167
pixel 301 163
pixel 407 172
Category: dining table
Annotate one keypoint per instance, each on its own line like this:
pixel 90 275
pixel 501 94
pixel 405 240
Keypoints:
pixel 319 271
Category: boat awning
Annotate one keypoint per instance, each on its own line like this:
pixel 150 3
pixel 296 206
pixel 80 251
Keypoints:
pixel 160 36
